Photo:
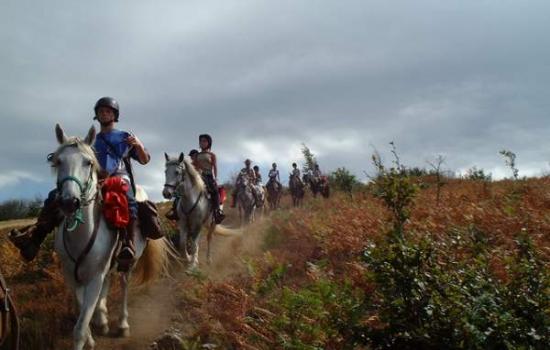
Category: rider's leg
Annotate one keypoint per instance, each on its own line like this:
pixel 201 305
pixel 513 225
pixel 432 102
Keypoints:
pixel 215 196
pixel 29 239
pixel 127 253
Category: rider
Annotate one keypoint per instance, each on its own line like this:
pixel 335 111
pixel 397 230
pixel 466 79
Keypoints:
pixel 248 172
pixel 317 172
pixel 193 154
pixel 258 176
pixel 207 164
pixel 172 214
pixel 113 148
pixel 295 172
pixel 274 176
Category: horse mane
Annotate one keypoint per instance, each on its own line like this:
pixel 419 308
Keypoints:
pixel 196 178
pixel 82 146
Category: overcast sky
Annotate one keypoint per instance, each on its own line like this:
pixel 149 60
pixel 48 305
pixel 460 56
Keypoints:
pixel 463 79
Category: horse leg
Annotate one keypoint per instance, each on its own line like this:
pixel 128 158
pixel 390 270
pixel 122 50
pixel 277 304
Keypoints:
pixel 184 232
pixel 90 295
pixel 195 253
pixel 209 239
pixel 123 325
pixel 100 318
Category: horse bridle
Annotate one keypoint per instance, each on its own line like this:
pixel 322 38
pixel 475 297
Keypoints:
pixel 178 185
pixel 79 219
pixel 84 201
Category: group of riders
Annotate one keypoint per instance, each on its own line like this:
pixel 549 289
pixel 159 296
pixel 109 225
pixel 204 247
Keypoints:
pixel 114 149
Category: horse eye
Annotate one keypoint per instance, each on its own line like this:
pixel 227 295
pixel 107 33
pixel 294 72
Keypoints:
pixel 87 162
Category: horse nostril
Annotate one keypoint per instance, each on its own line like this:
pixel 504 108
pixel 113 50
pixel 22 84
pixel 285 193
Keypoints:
pixel 70 204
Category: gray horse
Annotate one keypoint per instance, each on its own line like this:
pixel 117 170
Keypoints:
pixel 194 208
pixel 246 200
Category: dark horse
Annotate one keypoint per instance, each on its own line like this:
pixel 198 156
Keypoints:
pixel 296 190
pixel 9 321
pixel 318 185
pixel 274 193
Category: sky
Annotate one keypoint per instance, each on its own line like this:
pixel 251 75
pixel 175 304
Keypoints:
pixel 462 79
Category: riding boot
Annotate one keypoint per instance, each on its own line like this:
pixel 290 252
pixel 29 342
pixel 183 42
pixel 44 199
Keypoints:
pixel 172 214
pixel 127 254
pixel 29 238
pixel 215 198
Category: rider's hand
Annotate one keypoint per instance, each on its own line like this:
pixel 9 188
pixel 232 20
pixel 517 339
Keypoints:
pixel 132 140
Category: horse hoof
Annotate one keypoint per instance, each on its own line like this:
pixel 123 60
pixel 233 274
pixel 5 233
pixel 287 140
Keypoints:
pixel 124 332
pixel 103 330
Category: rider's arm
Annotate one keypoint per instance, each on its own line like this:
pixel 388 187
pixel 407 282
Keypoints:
pixel 141 153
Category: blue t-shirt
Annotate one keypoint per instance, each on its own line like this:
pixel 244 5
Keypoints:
pixel 111 148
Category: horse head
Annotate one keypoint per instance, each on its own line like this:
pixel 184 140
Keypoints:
pixel 174 174
pixel 76 166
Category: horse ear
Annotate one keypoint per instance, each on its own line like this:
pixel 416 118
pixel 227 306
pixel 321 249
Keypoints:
pixel 166 156
pixel 90 138
pixel 60 134
pixel 180 159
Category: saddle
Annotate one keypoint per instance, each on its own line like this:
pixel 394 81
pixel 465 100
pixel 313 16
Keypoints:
pixel 9 321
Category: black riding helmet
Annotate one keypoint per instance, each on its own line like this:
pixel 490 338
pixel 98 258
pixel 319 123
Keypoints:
pixel 107 102
pixel 207 138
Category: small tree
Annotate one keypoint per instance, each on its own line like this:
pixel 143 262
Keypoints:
pixel 343 180
pixel 309 158
pixel 436 166
pixel 510 160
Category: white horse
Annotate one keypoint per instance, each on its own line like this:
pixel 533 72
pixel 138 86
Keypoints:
pixel 194 207
pixel 246 200
pixel 86 245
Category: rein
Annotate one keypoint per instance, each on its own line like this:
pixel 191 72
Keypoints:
pixel 78 219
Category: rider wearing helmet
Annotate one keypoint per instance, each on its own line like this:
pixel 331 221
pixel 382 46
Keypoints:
pixel 208 166
pixel 114 149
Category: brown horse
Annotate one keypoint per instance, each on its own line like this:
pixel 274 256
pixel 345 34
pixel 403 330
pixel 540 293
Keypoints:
pixel 318 185
pixel 9 321
pixel 274 193
pixel 296 190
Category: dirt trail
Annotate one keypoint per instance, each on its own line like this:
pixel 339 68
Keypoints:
pixel 154 310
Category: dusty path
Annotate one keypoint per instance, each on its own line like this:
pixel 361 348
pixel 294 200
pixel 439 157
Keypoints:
pixel 155 310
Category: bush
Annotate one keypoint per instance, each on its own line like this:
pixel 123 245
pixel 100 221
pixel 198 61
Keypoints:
pixel 20 208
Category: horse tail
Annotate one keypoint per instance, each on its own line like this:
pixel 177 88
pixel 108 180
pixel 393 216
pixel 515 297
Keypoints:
pixel 226 231
pixel 155 261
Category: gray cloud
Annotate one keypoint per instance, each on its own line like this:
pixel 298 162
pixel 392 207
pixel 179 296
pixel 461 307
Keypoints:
pixel 459 78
